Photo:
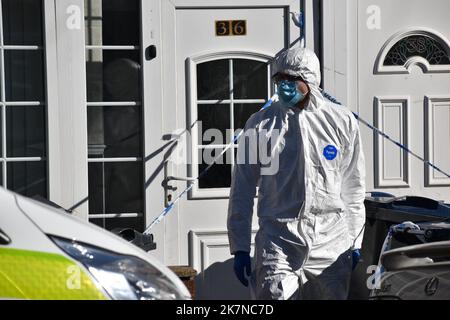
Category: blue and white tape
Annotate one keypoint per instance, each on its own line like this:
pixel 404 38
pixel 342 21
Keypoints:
pixel 166 210
pixel 381 133
pixel 265 106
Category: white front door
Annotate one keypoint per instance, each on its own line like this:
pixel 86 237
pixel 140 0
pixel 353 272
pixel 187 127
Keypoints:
pixel 404 89
pixel 215 75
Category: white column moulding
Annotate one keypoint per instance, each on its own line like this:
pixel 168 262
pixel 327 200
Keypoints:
pixel 437 141
pixel 392 167
pixel 72 116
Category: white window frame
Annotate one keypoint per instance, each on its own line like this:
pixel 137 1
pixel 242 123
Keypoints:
pixel 192 169
pixel 104 160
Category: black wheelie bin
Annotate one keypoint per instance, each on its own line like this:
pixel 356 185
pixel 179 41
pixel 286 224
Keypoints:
pixel 382 211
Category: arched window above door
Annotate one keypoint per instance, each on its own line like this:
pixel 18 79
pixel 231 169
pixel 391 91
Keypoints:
pixel 425 48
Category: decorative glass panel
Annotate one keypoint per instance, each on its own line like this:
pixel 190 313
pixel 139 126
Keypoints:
pixel 28 178
pixel 114 132
pixel 213 116
pixel 23 81
pixel 219 175
pixel 250 79
pixel 22 22
pixel 417 45
pixel 242 113
pixel 24 75
pixel 213 80
pixel 25 131
pixel 112 22
pixel 113 75
pixel 115 187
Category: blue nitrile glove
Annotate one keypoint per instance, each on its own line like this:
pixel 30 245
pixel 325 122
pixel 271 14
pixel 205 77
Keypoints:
pixel 242 261
pixel 356 254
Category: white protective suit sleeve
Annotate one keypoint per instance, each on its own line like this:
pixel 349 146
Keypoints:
pixel 353 187
pixel 243 190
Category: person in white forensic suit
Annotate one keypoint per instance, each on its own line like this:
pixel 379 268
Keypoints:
pixel 311 189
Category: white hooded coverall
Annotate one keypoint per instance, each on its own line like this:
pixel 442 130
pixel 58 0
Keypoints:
pixel 311 210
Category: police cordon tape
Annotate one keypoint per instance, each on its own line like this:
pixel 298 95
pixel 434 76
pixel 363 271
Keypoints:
pixel 269 102
pixel 332 99
pixel 170 206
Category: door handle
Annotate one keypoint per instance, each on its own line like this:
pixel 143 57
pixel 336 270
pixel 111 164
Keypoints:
pixel 169 178
pixel 168 187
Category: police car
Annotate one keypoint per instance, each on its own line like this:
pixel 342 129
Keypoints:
pixel 48 254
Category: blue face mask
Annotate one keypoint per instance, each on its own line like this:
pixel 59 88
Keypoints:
pixel 289 93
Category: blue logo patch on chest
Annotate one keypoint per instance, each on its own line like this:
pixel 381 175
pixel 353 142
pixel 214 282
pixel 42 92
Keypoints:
pixel 330 152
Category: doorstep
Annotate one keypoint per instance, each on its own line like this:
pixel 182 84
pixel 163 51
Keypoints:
pixel 187 275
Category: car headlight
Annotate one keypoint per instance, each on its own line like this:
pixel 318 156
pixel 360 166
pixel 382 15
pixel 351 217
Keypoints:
pixel 122 277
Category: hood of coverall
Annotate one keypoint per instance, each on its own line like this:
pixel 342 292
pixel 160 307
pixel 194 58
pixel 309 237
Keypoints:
pixel 302 62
